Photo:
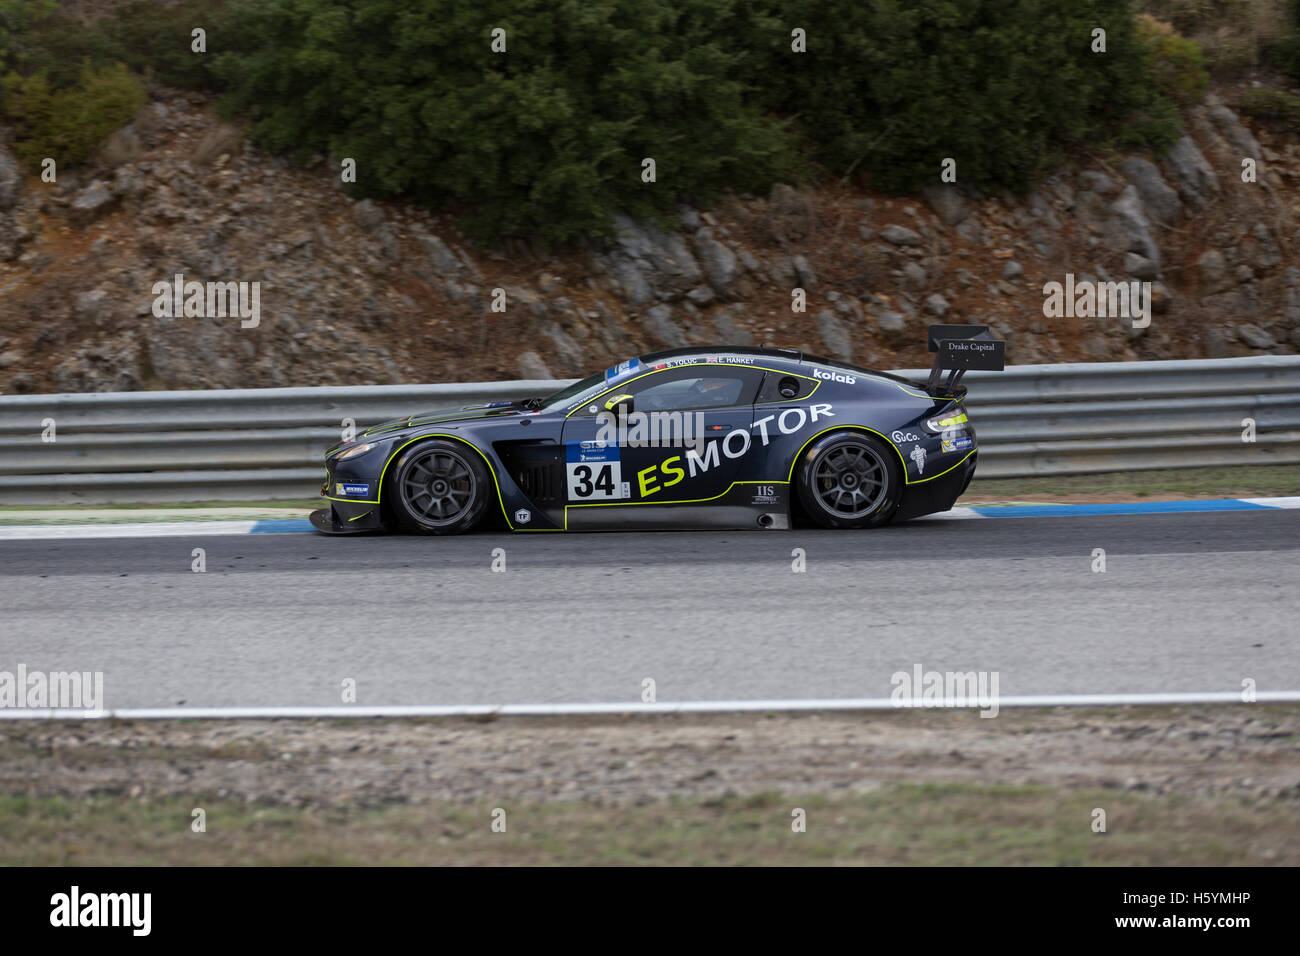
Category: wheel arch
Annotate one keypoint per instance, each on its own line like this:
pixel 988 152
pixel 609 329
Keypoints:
pixel 491 467
pixel 846 427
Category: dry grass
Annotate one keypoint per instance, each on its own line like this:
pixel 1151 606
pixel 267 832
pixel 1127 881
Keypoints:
pixel 1179 785
pixel 932 824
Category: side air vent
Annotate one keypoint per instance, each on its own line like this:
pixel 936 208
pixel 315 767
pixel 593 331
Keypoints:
pixel 540 483
pixel 536 467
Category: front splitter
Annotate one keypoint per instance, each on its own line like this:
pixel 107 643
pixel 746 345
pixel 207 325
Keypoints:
pixel 323 520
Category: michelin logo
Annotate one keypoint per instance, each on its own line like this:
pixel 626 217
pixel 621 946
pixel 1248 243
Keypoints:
pixel 352 490
pixel 957 444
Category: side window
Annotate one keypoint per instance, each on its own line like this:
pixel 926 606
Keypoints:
pixel 699 392
pixel 698 387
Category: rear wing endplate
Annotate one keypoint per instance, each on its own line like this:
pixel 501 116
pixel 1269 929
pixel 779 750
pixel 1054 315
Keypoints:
pixel 957 348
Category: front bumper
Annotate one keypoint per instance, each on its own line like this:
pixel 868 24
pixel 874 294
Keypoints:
pixel 344 515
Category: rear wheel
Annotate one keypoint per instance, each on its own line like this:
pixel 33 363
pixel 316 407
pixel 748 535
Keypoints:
pixel 848 480
pixel 439 488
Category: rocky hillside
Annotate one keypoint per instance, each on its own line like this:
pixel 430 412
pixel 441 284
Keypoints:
pixel 363 292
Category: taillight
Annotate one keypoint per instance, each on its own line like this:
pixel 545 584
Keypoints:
pixel 953 418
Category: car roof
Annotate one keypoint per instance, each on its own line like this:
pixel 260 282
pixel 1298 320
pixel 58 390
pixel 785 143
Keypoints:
pixel 705 351
pixel 793 356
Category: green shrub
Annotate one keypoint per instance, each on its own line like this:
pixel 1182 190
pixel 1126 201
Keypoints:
pixel 1235 35
pixel 1175 63
pixel 1271 105
pixel 146 37
pixel 1285 52
pixel 17 19
pixel 546 139
pixel 892 88
pixel 55 43
pixel 68 124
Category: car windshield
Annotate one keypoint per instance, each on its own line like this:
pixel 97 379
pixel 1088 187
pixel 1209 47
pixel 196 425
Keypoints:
pixel 570 395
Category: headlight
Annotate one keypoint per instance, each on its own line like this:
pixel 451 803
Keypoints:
pixel 354 451
pixel 942 423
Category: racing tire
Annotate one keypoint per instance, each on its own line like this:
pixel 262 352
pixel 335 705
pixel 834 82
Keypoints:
pixel 849 480
pixel 439 487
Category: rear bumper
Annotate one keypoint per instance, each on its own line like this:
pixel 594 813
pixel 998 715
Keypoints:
pixel 938 494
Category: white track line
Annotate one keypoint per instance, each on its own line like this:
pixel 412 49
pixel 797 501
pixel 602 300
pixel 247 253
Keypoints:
pixel 951 513
pixel 162 529
pixel 155 529
pixel 577 710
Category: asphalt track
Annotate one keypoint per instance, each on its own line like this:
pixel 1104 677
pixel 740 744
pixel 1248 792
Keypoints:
pixel 1188 602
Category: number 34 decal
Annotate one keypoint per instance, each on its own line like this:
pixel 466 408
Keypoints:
pixel 595 481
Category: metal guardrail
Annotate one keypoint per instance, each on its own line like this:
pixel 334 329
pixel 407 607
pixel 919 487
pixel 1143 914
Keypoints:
pixel 262 444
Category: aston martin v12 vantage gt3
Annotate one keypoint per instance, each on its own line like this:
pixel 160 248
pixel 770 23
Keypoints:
pixel 720 438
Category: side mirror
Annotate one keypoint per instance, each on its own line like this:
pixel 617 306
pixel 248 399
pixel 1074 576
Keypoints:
pixel 620 401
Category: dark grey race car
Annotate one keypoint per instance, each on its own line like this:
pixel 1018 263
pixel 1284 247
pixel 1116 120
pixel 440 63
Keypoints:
pixel 721 438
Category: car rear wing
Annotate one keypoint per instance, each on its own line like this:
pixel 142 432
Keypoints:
pixel 957 348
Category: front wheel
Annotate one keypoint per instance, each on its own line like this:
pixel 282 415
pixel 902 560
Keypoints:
pixel 439 487
pixel 848 480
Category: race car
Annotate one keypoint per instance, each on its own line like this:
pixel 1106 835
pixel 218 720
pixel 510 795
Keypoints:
pixel 717 438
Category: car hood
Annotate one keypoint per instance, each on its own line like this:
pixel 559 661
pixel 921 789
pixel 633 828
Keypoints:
pixel 451 416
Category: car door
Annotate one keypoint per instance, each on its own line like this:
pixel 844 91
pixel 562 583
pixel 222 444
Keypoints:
pixel 670 438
